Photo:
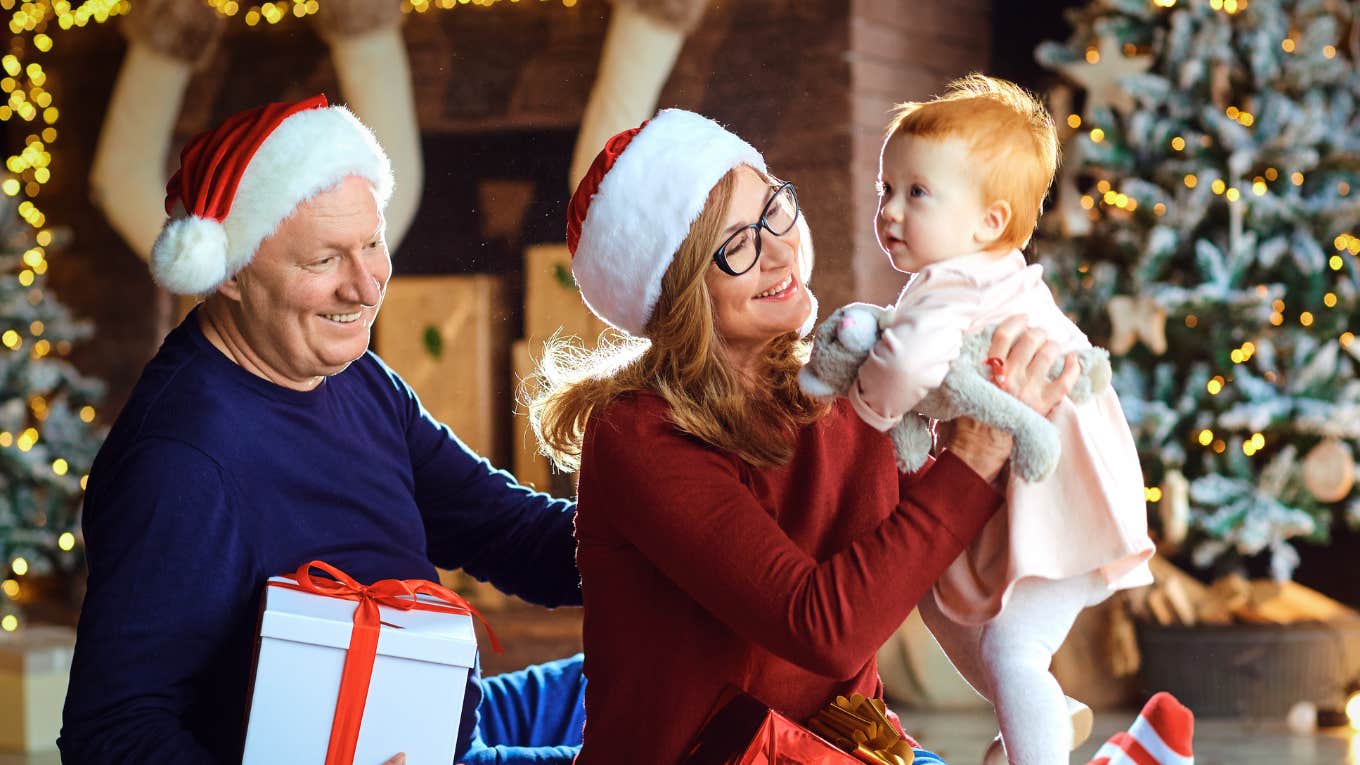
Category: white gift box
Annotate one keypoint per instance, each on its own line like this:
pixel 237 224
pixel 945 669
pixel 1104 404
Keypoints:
pixel 35 665
pixel 415 696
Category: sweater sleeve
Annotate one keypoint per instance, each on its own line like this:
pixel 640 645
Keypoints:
pixel 684 507
pixel 914 352
pixel 482 520
pixel 158 609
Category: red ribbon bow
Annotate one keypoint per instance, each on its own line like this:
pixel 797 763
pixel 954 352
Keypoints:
pixel 363 641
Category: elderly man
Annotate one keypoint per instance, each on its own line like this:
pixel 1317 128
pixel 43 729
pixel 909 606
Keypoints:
pixel 264 434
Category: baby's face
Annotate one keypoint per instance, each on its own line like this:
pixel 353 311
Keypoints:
pixel 930 201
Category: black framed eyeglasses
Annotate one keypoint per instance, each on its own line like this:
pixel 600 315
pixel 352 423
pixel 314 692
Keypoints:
pixel 740 251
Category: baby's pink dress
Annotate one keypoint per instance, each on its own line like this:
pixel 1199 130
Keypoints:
pixel 1090 515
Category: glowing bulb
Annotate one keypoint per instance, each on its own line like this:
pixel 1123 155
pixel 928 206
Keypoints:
pixel 1353 710
pixel 11 588
pixel 1237 356
pixel 1092 55
pixel 1306 318
pixel 9 623
pixel 1087 202
pixel 1214 386
pixel 1296 178
pixel 1232 194
pixel 1219 186
pixel 1259 188
pixel 1097 135
pixel 1329 51
pixel 1159 209
pixel 1178 143
pixel 1288 45
pixel 1191 321
pixel 1074 120
pixel 67 541
pixel 1335 262
pixel 1191 180
pixel 19 566
pixel 1329 300
pixel 1206 437
pixel 60 466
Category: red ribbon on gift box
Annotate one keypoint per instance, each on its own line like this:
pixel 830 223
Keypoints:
pixel 363 640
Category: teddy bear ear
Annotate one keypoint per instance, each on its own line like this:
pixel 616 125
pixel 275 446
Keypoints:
pixel 813 385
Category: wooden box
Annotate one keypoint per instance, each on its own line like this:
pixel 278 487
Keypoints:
pixel 449 338
pixel 530 467
pixel 551 300
pixel 35 663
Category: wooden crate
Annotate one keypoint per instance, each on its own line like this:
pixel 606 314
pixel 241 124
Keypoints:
pixel 449 338
pixel 530 467
pixel 551 300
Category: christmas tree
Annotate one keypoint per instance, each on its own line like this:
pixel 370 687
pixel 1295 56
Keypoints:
pixel 1204 228
pixel 47 441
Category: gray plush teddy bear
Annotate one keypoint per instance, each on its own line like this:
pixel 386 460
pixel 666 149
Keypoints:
pixel 842 342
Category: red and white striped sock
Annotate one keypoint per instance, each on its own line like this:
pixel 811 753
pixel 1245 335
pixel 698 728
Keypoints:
pixel 1160 735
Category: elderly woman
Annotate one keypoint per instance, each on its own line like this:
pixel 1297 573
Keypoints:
pixel 730 530
pixel 263 435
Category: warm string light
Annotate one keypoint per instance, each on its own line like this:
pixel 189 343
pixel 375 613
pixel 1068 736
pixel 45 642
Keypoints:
pixel 1243 118
pixel 1243 354
pixel 1152 493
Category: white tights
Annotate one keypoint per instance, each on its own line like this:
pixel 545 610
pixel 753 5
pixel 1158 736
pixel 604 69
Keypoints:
pixel 1006 660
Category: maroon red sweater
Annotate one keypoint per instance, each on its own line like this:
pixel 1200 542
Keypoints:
pixel 699 570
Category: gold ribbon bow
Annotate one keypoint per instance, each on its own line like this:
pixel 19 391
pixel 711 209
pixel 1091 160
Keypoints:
pixel 861 727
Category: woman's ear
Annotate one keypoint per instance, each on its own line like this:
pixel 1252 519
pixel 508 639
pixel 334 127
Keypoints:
pixel 994 221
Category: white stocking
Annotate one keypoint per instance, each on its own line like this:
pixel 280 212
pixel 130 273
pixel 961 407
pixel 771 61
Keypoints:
pixel 1006 660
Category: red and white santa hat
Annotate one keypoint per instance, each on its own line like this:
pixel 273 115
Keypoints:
pixel 635 206
pixel 238 181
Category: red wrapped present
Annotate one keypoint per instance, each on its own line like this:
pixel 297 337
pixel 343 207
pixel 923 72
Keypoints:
pixel 746 732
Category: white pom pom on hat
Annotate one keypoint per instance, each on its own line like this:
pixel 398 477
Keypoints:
pixel 238 181
pixel 190 255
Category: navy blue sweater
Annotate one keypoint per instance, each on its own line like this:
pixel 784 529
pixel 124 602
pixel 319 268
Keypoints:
pixel 213 480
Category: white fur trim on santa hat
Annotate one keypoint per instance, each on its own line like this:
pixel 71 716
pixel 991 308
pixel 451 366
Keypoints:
pixel 643 211
pixel 308 153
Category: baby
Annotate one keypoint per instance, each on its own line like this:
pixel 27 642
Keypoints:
pixel 962 180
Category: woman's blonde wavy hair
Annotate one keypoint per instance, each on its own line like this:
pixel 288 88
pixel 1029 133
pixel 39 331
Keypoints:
pixel 684 363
